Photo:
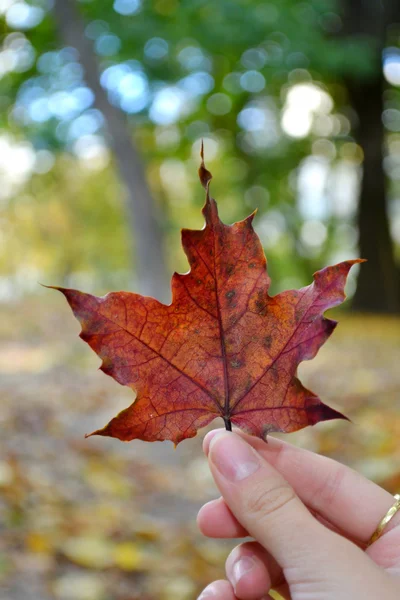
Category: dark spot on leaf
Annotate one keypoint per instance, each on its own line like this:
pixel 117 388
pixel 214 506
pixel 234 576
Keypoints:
pixel 261 307
pixel 274 372
pixel 236 364
pixel 252 265
pixel 268 341
pixel 230 269
pixel 229 295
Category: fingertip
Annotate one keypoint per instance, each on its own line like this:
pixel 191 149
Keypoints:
pixel 203 516
pixel 208 437
pixel 248 572
pixel 218 590
pixel 256 442
pixel 215 520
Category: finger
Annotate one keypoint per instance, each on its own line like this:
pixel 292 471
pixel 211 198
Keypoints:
pixel 344 497
pixel 386 551
pixel 267 507
pixel 218 590
pixel 215 520
pixel 252 571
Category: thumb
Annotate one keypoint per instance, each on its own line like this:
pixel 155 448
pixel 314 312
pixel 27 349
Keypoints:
pixel 268 508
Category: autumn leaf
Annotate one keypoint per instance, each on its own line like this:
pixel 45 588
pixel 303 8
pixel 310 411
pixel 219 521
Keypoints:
pixel 222 348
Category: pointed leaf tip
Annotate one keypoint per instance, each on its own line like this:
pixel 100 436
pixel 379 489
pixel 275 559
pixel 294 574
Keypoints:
pixel 204 175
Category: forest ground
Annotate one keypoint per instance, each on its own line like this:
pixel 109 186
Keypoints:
pixel 98 519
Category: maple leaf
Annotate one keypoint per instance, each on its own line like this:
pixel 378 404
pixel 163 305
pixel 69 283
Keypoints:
pixel 223 347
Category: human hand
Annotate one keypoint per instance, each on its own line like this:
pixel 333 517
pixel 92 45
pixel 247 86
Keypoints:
pixel 311 519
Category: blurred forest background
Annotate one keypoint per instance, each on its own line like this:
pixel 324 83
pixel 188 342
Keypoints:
pixel 103 105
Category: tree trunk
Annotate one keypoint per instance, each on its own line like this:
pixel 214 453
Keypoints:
pixel 378 288
pixel 141 210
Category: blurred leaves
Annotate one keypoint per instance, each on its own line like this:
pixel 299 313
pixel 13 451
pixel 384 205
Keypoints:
pixel 83 520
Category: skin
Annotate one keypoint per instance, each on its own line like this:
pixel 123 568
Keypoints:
pixel 310 518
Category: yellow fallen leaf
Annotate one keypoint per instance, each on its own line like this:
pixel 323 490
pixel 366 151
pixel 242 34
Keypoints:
pixel 79 586
pixel 89 551
pixel 128 556
pixel 179 588
pixel 38 543
pixel 275 595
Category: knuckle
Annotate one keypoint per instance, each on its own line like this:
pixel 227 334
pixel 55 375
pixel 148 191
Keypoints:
pixel 264 501
pixel 326 493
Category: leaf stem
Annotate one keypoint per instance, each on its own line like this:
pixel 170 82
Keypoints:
pixel 228 424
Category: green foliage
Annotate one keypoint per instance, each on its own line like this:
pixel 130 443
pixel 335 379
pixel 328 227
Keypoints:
pixel 226 69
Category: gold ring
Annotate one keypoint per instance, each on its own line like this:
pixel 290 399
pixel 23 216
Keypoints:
pixel 388 517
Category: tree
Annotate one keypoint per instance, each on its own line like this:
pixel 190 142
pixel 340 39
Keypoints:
pixel 228 72
pixel 378 288
pixel 141 209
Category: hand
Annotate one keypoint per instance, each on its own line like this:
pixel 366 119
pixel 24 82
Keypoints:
pixel 311 518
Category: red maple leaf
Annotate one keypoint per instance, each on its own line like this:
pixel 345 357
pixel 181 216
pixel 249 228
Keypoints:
pixel 222 348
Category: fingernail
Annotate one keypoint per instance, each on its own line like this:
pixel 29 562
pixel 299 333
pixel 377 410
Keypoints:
pixel 233 457
pixel 208 592
pixel 207 439
pixel 241 567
